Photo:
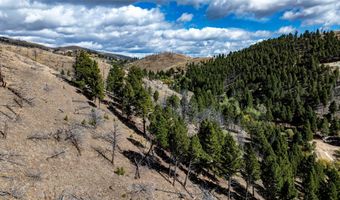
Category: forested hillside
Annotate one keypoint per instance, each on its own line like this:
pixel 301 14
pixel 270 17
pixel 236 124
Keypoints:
pixel 284 74
pixel 271 91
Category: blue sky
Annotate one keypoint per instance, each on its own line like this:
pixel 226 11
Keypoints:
pixel 139 28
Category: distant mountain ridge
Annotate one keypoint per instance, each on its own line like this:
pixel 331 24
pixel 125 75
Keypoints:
pixel 63 50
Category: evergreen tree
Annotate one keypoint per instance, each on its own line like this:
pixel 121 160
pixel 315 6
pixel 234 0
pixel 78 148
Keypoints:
pixel 195 153
pixel 271 176
pixel 87 75
pixel 178 142
pixel 333 107
pixel 115 80
pixel 251 168
pixel 144 106
pixel 211 138
pixel 231 160
pixel 156 96
pixel 325 127
pixel 128 98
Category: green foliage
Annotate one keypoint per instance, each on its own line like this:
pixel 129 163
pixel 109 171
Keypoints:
pixel 115 80
pixel 231 157
pixel 156 96
pixel 325 126
pixel 284 74
pixel 178 138
pixel 159 127
pixel 120 171
pixel 252 168
pixel 211 138
pixel 271 176
pixel 87 75
pixel 128 99
pixel 66 118
pixel 333 107
pixel 173 101
pixel 196 152
pixel 144 104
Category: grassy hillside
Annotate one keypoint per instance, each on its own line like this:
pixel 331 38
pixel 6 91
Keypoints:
pixel 165 61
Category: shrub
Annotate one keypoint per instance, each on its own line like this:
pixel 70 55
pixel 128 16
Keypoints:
pixel 83 122
pixel 120 171
pixel 66 118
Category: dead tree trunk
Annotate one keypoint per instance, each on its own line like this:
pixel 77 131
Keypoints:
pixel 137 173
pixel 247 186
pixel 4 131
pixel 229 187
pixel 170 162
pixel 188 174
pixel 253 190
pixel 149 152
pixel 144 125
pixel 174 175
pixel 114 143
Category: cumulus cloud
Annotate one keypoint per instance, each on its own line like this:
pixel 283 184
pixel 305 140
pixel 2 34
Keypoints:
pixel 127 29
pixel 286 30
pixel 326 14
pixel 185 17
pixel 311 12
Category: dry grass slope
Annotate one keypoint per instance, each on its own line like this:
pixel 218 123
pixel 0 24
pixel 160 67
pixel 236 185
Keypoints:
pixel 165 61
pixel 51 151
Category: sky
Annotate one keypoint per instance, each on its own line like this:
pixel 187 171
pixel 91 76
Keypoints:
pixel 197 28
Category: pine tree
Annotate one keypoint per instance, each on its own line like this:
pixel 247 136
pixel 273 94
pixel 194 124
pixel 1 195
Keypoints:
pixel 271 176
pixel 128 98
pixel 178 142
pixel 251 168
pixel 333 107
pixel 159 127
pixel 115 81
pixel 156 96
pixel 195 153
pixel 211 138
pixel 325 127
pixel 87 75
pixel 231 160
pixel 144 106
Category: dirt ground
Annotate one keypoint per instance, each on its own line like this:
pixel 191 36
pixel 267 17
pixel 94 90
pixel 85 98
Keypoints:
pixel 44 117
pixel 325 151
pixel 26 169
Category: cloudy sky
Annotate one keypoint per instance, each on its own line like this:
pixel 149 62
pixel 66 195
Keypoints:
pixel 138 28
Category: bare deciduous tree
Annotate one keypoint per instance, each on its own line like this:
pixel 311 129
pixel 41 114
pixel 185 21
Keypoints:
pixel 95 118
pixel 113 138
pixel 75 137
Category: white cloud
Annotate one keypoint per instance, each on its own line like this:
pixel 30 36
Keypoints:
pixel 286 30
pixel 324 14
pixel 310 12
pixel 185 17
pixel 126 29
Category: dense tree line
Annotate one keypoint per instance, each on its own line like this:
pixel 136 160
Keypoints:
pixel 259 88
pixel 284 74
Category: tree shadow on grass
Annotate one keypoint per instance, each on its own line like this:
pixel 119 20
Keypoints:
pixel 126 122
pixel 150 163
